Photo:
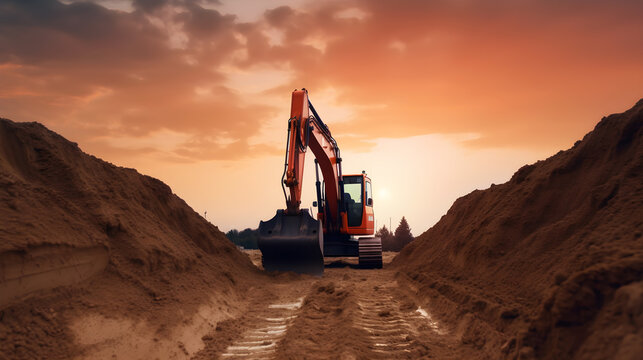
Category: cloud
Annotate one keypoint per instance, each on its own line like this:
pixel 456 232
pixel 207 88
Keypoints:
pixel 100 73
pixel 533 73
pixel 518 74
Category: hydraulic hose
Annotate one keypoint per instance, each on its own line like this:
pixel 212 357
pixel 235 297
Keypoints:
pixel 283 187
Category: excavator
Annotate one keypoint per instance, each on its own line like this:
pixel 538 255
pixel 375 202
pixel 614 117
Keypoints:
pixel 295 241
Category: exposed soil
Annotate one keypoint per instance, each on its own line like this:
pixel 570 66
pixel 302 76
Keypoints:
pixel 550 264
pixel 95 256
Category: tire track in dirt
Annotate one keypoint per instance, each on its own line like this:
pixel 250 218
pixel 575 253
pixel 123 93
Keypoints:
pixel 391 321
pixel 261 341
pixel 270 311
pixel 396 328
pixel 363 314
pixel 323 328
pixel 388 330
pixel 349 313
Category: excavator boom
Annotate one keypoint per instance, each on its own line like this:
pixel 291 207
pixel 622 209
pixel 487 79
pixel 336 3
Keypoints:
pixel 306 130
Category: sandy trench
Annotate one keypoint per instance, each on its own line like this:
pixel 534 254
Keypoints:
pixel 349 313
pixel 545 266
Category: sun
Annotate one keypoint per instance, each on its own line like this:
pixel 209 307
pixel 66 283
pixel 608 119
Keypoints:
pixel 382 193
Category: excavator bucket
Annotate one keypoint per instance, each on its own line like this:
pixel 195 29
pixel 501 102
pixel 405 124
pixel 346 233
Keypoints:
pixel 292 243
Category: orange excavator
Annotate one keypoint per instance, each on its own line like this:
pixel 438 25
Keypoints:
pixel 293 240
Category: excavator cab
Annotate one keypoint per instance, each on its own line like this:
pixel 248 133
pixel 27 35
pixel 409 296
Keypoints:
pixel 295 241
pixel 358 200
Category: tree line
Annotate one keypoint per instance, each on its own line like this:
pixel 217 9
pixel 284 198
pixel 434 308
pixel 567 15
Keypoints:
pixel 246 239
pixel 391 241
pixel 395 241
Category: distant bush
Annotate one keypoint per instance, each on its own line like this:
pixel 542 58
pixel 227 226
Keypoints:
pixel 246 239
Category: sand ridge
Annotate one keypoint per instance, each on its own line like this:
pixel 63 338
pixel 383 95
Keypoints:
pixel 530 268
pixel 112 243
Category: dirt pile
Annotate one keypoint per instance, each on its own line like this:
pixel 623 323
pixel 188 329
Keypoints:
pixel 80 235
pixel 549 264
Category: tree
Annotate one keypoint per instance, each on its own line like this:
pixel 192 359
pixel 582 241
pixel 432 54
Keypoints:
pixel 403 234
pixel 387 238
pixel 246 239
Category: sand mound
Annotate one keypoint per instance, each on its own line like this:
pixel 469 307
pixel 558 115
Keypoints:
pixel 549 264
pixel 118 242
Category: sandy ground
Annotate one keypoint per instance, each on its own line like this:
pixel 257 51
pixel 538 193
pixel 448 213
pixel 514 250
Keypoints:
pixel 349 313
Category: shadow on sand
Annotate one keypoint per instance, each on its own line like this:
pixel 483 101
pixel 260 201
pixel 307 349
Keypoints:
pixel 341 264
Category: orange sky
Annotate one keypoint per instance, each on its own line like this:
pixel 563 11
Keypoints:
pixel 432 98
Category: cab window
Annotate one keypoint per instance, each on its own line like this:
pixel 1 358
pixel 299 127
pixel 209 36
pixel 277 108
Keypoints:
pixel 369 194
pixel 353 190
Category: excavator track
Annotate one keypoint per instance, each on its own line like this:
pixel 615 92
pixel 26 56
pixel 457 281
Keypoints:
pixel 370 253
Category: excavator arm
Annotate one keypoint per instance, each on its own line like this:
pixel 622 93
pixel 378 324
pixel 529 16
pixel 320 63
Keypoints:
pixel 307 130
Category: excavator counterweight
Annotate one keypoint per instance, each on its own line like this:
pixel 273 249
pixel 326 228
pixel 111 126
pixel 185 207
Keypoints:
pixel 295 241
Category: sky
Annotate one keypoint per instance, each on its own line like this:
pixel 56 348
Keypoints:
pixel 433 99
